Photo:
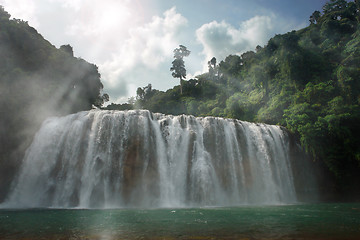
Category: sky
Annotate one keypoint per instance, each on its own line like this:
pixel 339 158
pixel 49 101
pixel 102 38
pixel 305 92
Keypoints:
pixel 132 41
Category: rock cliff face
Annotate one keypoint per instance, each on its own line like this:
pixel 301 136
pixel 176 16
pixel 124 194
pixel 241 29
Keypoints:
pixel 140 159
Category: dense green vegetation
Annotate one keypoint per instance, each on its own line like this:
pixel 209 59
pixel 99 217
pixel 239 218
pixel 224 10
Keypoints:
pixel 306 80
pixel 37 80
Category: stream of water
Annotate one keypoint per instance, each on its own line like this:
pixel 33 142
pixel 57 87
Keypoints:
pixel 300 221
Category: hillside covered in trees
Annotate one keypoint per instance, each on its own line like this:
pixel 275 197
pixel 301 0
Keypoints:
pixel 37 80
pixel 307 81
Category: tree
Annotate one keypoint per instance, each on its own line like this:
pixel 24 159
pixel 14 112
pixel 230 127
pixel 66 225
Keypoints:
pixel 232 65
pixel 314 18
pixel 258 48
pixel 357 3
pixel 247 57
pixel 68 49
pixel 4 14
pixel 212 63
pixel 178 65
pixel 148 89
pixel 140 93
pixel 334 5
pixel 144 93
pixel 335 8
pixel 212 68
pixel 101 100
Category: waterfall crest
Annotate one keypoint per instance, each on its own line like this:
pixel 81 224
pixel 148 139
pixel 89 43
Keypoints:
pixel 107 159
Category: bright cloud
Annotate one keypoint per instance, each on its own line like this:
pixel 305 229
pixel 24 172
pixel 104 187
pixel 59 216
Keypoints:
pixel 98 28
pixel 130 51
pixel 145 56
pixel 94 18
pixel 220 39
pixel 134 48
pixel 24 10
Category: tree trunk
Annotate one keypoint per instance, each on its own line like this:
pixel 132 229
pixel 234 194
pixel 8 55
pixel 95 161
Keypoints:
pixel 180 85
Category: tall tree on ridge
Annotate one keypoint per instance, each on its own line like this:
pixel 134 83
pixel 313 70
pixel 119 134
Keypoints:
pixel 178 65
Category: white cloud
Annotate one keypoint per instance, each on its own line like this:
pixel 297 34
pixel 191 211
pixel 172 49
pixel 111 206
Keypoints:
pixel 220 39
pixel 21 9
pixel 94 18
pixel 75 4
pixel 145 57
pixel 131 48
pixel 98 28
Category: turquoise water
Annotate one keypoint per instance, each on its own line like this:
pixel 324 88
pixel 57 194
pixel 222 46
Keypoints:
pixel 307 221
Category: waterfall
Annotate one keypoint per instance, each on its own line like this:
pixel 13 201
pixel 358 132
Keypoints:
pixel 109 159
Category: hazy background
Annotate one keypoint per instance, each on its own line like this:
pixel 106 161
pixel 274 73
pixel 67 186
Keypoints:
pixel 132 40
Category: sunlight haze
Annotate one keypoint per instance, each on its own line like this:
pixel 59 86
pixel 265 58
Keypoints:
pixel 132 42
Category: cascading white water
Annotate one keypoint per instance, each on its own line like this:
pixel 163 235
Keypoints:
pixel 107 159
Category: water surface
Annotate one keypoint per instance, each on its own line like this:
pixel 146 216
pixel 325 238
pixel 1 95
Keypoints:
pixel 310 221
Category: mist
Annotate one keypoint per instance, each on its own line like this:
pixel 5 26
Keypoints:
pixel 37 81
